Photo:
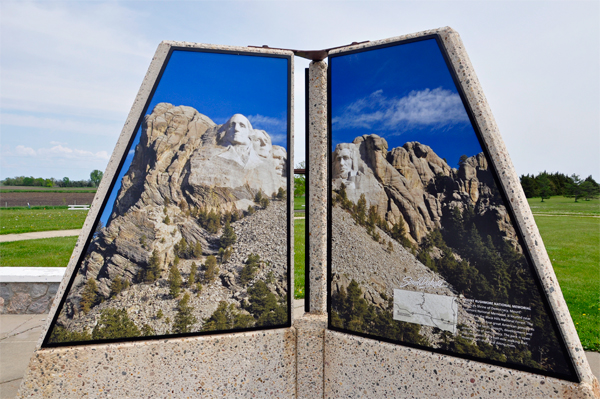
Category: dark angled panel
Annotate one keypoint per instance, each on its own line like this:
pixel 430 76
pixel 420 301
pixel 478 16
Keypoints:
pixel 193 236
pixel 424 249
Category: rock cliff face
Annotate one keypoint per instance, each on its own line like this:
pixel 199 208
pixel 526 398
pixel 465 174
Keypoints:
pixel 412 185
pixel 183 162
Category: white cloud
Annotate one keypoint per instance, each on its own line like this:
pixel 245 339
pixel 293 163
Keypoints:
pixel 25 151
pixel 56 152
pixel 63 124
pixel 83 59
pixel 267 123
pixel 437 107
pixel 276 127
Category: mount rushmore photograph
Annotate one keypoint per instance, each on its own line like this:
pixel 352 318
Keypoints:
pixel 424 251
pixel 195 240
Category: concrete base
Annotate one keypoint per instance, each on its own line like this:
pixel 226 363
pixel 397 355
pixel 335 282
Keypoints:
pixel 364 368
pixel 18 334
pixel 246 365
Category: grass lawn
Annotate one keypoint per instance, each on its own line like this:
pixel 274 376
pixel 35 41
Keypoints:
pixel 565 206
pixel 299 254
pixel 46 252
pixel 299 203
pixel 24 220
pixel 573 244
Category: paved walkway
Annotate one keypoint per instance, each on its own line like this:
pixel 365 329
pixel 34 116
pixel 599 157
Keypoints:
pixel 38 235
pixel 19 334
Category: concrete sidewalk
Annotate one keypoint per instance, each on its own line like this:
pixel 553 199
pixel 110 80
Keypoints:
pixel 19 335
pixel 39 234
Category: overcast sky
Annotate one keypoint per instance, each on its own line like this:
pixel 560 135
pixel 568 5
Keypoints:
pixel 69 72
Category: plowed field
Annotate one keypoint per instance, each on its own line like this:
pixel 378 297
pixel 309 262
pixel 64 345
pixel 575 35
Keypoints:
pixel 37 198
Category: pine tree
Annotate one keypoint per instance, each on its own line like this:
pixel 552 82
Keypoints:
pixel 184 320
pixel 258 196
pixel 281 194
pixel 226 317
pixel 247 273
pixel 147 330
pixel 229 237
pixel 89 295
pixel 197 250
pixel 118 285
pixel 590 188
pixel 573 188
pixel 192 277
pixel 264 202
pixel 211 269
pixel 174 281
pixel 544 189
pixel 264 306
pixel 153 271
pixel 182 249
pixel 360 210
pixel 115 323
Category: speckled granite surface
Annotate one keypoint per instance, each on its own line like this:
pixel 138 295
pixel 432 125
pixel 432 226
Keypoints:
pixel 356 367
pixel 317 220
pixel 310 336
pixel 259 364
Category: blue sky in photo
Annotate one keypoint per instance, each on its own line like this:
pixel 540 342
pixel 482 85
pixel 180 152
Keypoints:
pixel 220 85
pixel 402 93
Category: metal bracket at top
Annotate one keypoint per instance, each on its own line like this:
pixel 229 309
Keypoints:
pixel 313 55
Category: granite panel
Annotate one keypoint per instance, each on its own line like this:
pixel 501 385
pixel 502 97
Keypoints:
pixel 317 219
pixel 357 367
pixel 310 335
pixel 258 364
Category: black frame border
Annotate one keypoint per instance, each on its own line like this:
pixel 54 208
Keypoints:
pixel 306 193
pixel 573 377
pixel 290 173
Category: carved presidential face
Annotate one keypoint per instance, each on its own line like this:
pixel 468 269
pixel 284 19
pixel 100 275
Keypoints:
pixel 262 143
pixel 279 156
pixel 345 161
pixel 238 131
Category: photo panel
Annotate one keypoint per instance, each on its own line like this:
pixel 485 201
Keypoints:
pixel 193 235
pixel 424 249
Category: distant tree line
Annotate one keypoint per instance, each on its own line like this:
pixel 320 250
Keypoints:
pixel 93 181
pixel 544 185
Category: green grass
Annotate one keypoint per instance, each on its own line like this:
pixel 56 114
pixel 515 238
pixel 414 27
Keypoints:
pixel 299 256
pixel 24 220
pixel 565 206
pixel 299 203
pixel 46 252
pixel 573 244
